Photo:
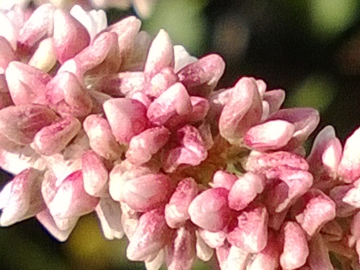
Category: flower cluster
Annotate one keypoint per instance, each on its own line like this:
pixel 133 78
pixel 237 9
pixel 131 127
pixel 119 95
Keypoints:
pixel 97 118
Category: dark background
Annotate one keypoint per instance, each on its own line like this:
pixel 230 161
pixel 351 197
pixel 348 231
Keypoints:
pixel 310 48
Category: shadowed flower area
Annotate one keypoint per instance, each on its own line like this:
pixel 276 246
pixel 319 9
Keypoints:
pixel 107 120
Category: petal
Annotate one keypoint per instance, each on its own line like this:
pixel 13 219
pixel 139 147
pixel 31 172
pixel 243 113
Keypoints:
pixel 209 210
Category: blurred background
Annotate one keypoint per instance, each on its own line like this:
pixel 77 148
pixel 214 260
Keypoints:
pixel 309 48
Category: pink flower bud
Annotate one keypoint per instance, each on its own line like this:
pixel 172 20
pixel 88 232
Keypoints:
pixel 101 139
pixel 210 210
pixel 70 199
pixel 337 194
pixel 241 111
pixel 269 135
pixel 54 138
pixel 26 121
pixel 70 36
pixel 191 150
pixel 69 96
pixel 317 210
pixel 295 250
pixel 46 219
pixel 174 101
pixel 213 239
pixel 181 252
pixel 158 83
pixel 147 192
pixel 275 99
pixel 109 213
pixel 176 211
pixel 244 190
pixel 251 232
pixel 224 179
pixel 26 84
pixel 8 31
pixel 160 55
pixel 37 26
pixel 151 235
pixel 143 146
pixel 133 118
pixel 95 174
pixel 305 120
pixel 21 198
pixel 202 76
pixel 349 168
pixel 7 54
pixel 268 258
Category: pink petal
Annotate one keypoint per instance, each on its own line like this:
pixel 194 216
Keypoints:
pixel 26 84
pixel 176 211
pixel 161 54
pixel 70 199
pixel 241 111
pixel 7 54
pixel 337 194
pixel 95 175
pixel 305 121
pixel 157 84
pixel 349 168
pixel 268 258
pixel 21 198
pixel 109 214
pixel 174 101
pixel 318 210
pixel 143 146
pixel 213 239
pixel 48 222
pixel 70 36
pixel 244 190
pixel 147 192
pixel 8 30
pixel 209 210
pixel 133 118
pixel 191 151
pixel 224 179
pixel 269 135
pixel 202 76
pixel 150 236
pixel 251 232
pixel 37 26
pixel 101 139
pixel 26 121
pixel 181 252
pixel 54 138
pixel 296 250
pixel 275 99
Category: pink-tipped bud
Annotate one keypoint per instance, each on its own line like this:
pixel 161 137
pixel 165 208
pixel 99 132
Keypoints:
pixel 150 236
pixel 26 121
pixel 245 189
pixel 71 200
pixel 101 139
pixel 224 179
pixel 295 250
pixel 143 146
pixel 95 174
pixel 26 84
pixel 202 76
pixel 161 54
pixel 210 210
pixel 127 118
pixel 174 101
pixel 70 36
pixel 241 111
pixel 181 252
pixel 251 232
pixel 269 135
pixel 349 167
pixel 147 192
pixel 176 211
pixel 21 198
pixel 317 210
pixel 54 138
